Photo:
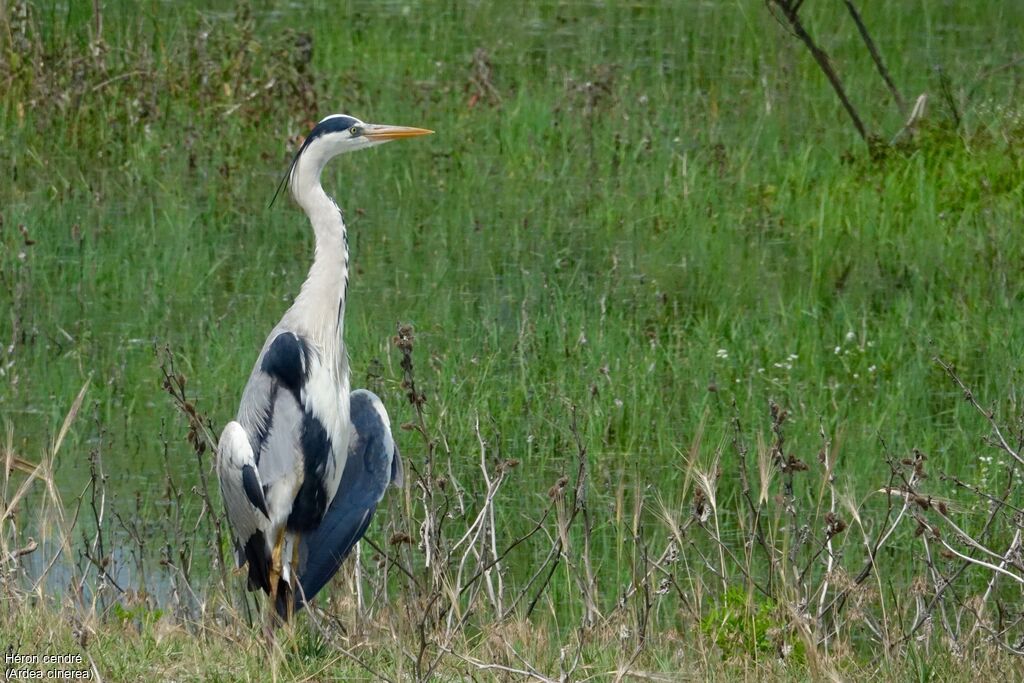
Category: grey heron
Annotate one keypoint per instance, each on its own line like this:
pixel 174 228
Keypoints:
pixel 280 462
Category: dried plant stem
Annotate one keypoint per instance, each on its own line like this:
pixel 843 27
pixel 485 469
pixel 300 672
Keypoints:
pixel 876 56
pixel 790 10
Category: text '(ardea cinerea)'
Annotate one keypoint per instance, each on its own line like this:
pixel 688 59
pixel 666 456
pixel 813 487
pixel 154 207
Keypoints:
pixel 305 462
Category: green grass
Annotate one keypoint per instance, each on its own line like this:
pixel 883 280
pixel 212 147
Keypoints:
pixel 696 232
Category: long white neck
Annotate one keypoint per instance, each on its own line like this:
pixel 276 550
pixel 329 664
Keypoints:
pixel 320 305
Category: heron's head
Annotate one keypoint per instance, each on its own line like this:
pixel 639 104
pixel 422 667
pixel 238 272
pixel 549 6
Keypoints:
pixel 338 134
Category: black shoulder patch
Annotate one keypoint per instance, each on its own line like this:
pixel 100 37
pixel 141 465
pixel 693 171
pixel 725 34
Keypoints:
pixel 287 361
pixel 311 500
pixel 253 490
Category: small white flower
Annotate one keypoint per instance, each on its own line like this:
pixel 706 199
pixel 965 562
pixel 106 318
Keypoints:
pixel 872 368
pixel 792 356
pixel 760 369
pixel 838 350
pixel 722 353
pixel 850 336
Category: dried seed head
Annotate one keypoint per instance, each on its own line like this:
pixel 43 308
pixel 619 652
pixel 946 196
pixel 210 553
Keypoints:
pixel 404 339
pixel 559 487
pixel 673 553
pixel 834 525
pixel 399 538
pixel 505 465
pixel 778 414
pixel 795 464
pixel 919 458
pixel 701 510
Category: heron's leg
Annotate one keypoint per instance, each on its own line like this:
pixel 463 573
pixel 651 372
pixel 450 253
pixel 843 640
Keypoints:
pixel 296 585
pixel 275 564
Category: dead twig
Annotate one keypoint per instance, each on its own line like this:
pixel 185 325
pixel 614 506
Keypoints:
pixel 876 56
pixel 790 11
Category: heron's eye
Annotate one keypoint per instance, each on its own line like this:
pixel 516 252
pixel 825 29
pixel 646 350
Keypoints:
pixel 356 131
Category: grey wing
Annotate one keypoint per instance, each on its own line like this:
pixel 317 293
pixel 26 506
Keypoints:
pixel 373 463
pixel 241 489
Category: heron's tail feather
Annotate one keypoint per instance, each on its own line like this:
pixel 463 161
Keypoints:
pixel 259 562
pixel 283 599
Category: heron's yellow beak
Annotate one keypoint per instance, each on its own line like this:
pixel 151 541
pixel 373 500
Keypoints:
pixel 381 133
